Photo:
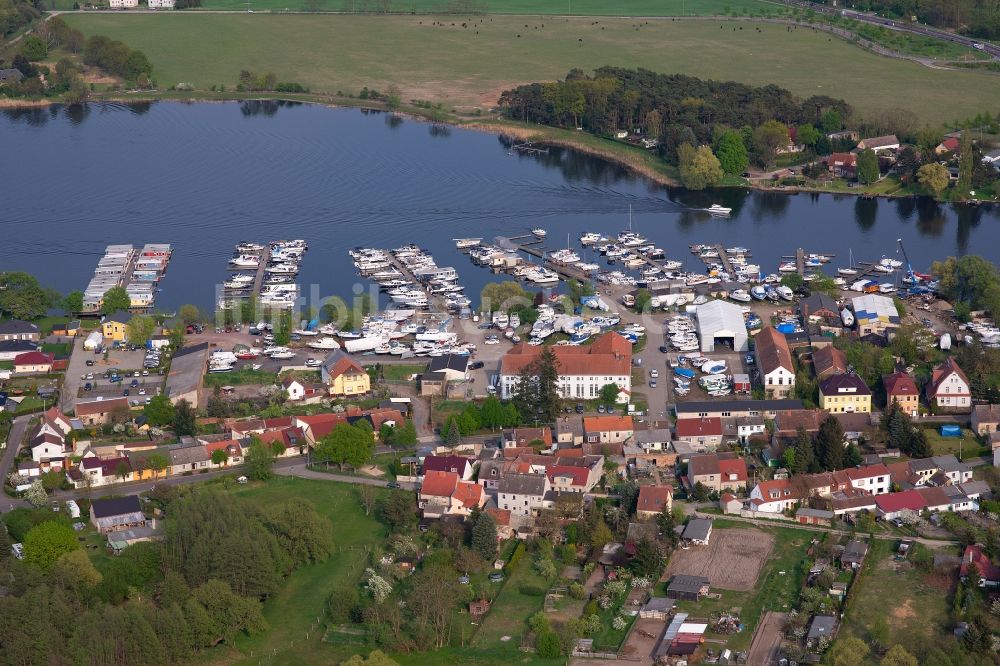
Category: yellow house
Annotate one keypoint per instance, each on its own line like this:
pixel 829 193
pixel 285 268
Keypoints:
pixel 114 326
pixel 845 394
pixel 343 376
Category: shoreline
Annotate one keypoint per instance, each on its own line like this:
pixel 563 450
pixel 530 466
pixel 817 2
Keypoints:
pixel 636 160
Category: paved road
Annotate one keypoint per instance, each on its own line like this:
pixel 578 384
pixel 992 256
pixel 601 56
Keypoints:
pixel 285 467
pixel 17 428
pixel 930 543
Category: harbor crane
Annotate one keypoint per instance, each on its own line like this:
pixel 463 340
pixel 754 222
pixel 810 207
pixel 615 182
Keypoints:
pixel 911 277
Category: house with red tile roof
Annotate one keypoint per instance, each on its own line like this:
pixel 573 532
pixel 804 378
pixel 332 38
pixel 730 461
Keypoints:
pixel 989 573
pixel 100 471
pixel 652 500
pixel 523 437
pixel 949 387
pixel 568 478
pixel 774 362
pixel 34 362
pixel 293 440
pixel 607 429
pixel 901 388
pixel 895 505
pixel 443 493
pixel 718 471
pixel 96 412
pixel 704 434
pixel 317 426
pixel 828 361
pixel 776 496
pixel 583 369
pixel 843 165
pixel 232 447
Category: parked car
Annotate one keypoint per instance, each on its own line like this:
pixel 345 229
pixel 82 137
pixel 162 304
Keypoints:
pixel 579 408
pixel 87 386
pixel 90 361
pixel 125 392
pixel 313 362
pixel 600 409
pixel 142 391
pixel 476 365
pixel 664 349
pixel 392 484
pixel 135 382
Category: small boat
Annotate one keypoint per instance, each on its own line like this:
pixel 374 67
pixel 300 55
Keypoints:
pixel 740 295
pixel 787 267
pixel 323 343
pixel 684 372
pixel 784 292
pixel 305 332
pixel 538 232
pixel 283 354
pixel 716 209
pixel 758 292
pixel 466 243
pixel 847 317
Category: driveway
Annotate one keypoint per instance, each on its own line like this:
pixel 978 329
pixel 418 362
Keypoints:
pixel 17 430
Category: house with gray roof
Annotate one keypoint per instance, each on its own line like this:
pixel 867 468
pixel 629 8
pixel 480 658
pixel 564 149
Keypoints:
pixel 822 626
pixel 188 458
pixel 691 588
pixel 16 329
pixel 524 494
pixel 697 531
pixel 116 514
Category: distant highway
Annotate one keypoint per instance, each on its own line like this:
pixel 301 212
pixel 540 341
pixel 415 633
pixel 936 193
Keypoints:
pixel 901 26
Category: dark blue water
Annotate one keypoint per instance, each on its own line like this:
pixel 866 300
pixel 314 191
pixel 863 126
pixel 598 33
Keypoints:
pixel 204 176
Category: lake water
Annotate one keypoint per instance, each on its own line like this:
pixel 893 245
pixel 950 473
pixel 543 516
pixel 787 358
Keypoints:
pixel 204 176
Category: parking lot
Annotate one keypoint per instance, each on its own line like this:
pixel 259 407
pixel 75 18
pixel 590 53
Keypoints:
pixel 124 361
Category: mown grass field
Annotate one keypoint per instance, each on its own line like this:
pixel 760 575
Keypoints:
pixel 470 66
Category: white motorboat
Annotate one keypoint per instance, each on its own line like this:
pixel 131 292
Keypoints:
pixel 847 317
pixel 590 238
pixel 245 261
pixel 283 269
pixel 323 343
pixel 305 332
pixel 785 293
pixel 716 209
pixel 466 243
pixel 538 232
pixel 740 295
pixel 286 354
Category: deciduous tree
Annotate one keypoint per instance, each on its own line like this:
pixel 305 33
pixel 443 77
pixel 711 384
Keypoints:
pixel 699 167
pixel 47 542
pixel 867 169
pixel 732 152
pixel 115 299
pixel 933 177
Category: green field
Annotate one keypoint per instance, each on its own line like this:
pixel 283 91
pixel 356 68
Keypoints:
pixel 546 7
pixel 968 444
pixel 470 66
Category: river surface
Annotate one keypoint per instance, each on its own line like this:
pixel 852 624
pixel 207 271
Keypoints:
pixel 204 176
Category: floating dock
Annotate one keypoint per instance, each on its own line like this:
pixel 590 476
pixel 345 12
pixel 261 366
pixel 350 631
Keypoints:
pixel 138 271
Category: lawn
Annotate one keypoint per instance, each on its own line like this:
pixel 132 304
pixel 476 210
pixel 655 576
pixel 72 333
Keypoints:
pixel 543 7
pixel 60 349
pixel 460 67
pixel 968 444
pixel 914 604
pixel 240 377
pixel 511 609
pixel 294 637
pixel 773 591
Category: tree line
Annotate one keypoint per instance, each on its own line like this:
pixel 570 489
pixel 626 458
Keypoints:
pixel 155 603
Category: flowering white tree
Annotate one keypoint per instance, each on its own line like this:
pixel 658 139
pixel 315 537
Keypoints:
pixel 379 587
pixel 36 494
pixel 619 623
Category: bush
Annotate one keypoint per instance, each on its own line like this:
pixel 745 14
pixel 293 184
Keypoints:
pixel 577 591
pixel 516 556
pixel 547 644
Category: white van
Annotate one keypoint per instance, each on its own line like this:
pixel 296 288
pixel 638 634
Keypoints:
pixel 73 509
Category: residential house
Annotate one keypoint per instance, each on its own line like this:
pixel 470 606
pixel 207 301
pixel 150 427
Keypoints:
pixel 233 449
pixel 949 145
pixel 523 437
pixel 291 438
pixel 569 431
pixel 776 496
pixel 55 422
pixel 11 349
pixel 846 393
pixel 875 314
pixel 117 514
pixel 46 446
pixel 657 608
pixel 730 503
pixel 819 307
pixel 97 412
pixel 900 388
pixel 949 387
pixel 654 447
pixel 986 419
pixel 34 362
pixel 142 461
pixel 896 505
pixel 652 501
pixel 295 389
pixel 828 361
pixel 854 554
pixel 843 165
pixel 774 362
pixel 787 424
pixel 115 325
pixel 989 573
pixel 123 4
pixel 190 458
pixel 96 471
pixel 607 429
pixel 162 4
pixel 444 494
pixel 583 370
pixel 767 409
pixel 718 472
pixel 698 531
pixel 16 329
pixel 343 376
pixel 453 464
pixel 880 144
pixel 523 494
pixel 700 434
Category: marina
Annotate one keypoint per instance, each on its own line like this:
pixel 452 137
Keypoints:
pixel 266 272
pixel 137 271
